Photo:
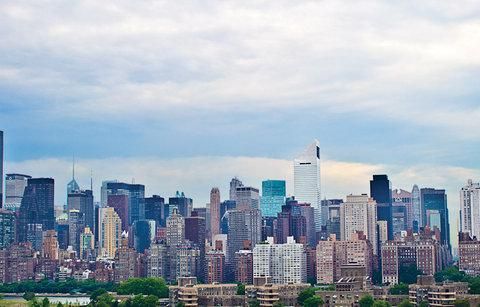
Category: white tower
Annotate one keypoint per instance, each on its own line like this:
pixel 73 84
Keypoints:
pixel 306 177
pixel 470 208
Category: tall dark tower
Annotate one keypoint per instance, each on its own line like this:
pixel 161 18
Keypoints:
pixel 435 212
pixel 1 169
pixel 381 192
pixel 37 208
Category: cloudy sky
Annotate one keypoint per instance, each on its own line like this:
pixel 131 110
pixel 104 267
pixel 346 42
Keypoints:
pixel 183 95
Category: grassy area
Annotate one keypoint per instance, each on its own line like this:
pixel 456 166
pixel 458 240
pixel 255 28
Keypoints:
pixel 13 303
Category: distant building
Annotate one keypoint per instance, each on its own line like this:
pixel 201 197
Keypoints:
pixel 187 261
pixel 17 263
pixel 1 169
pixel 110 232
pixel 82 201
pixel 273 197
pixel 234 184
pixel 50 245
pixel 7 228
pixel 470 209
pixel 15 185
pixel 402 211
pixel 195 232
pixel 381 192
pixel 125 262
pixel 306 176
pixel 136 198
pixel 333 254
pixel 244 267
pixel 436 200
pixel 183 204
pixel 87 244
pixel 76 224
pixel 142 234
pixel 214 212
pixel 284 263
pixel 120 204
pixel 155 210
pixel 247 198
pixel 417 209
pixel 215 260
pixel 157 260
pixel 468 254
pixel 37 208
pixel 358 213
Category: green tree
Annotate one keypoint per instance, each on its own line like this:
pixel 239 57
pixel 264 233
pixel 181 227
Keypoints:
pixel 304 295
pixel 408 274
pixel 146 286
pixel 399 289
pixel 278 304
pixel 45 302
pixel 366 301
pixel 474 285
pixel 313 301
pixel 381 303
pixel 104 300
pixel 28 296
pixel 95 294
pixel 423 304
pixel 180 304
pixel 240 289
pixel 452 274
pixel 59 304
pixel 405 303
pixel 462 303
pixel 253 303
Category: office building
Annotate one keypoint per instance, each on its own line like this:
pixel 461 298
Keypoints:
pixel 332 255
pixel 136 198
pixel 155 210
pixel 283 263
pixel 175 229
pixel 306 176
pixel 196 232
pixel 358 214
pixel 225 206
pixel 7 228
pixel 142 234
pixel 157 260
pixel 110 232
pixel 244 230
pixel 87 244
pixel 50 245
pixel 470 209
pixel 15 185
pixel 434 202
pixel 244 266
pixel 188 261
pixel 214 212
pixel 125 261
pixel 247 198
pixel 273 197
pixel 417 209
pixel 76 224
pixel 37 207
pixel 182 203
pixel 333 221
pixel 234 184
pixel 215 260
pixel 402 211
pixel 82 201
pixel 381 192
pixel 120 204
pixel 468 254
pixel 61 227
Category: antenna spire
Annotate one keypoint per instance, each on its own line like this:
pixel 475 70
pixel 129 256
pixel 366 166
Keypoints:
pixel 73 167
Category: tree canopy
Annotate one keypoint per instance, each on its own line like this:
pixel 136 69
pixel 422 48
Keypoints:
pixel 146 286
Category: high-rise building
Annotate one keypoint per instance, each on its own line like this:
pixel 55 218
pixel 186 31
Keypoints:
pixel 110 232
pixel 225 206
pixel 402 211
pixel 283 263
pixel 234 184
pixel 359 213
pixel 247 198
pixel 215 260
pixel 155 210
pixel 333 254
pixel 136 198
pixel 37 206
pixel 195 232
pixel 468 254
pixel 125 261
pixel 142 235
pixel 187 261
pixel 306 177
pixel 470 209
pixel 76 224
pixel 381 192
pixel 61 228
pixel 244 266
pixel 434 202
pixel 1 169
pixel 82 201
pixel 175 229
pixel 182 203
pixel 7 228
pixel 417 209
pixel 87 244
pixel 157 260
pixel 50 245
pixel 333 221
pixel 273 197
pixel 15 185
pixel 72 186
pixel 214 212
pixel 120 204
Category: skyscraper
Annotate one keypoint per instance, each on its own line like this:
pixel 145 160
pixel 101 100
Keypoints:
pixel 247 198
pixel 435 201
pixel 82 201
pixel 470 209
pixel 155 210
pixel 37 206
pixel 402 211
pixel 1 169
pixel 72 186
pixel 273 197
pixel 417 209
pixel 175 229
pixel 141 235
pixel 76 224
pixel 14 188
pixel 182 203
pixel 234 184
pixel 136 198
pixel 306 177
pixel 120 204
pixel 110 232
pixel 358 214
pixel 381 192
pixel 7 228
pixel 214 212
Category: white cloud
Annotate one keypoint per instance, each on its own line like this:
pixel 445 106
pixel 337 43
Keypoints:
pixel 129 58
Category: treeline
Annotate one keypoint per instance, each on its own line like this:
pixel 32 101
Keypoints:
pixel 145 286
pixel 454 274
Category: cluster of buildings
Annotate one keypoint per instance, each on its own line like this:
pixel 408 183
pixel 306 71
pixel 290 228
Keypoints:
pixel 251 235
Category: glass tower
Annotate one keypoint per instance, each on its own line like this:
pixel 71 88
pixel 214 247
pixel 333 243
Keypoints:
pixel 273 197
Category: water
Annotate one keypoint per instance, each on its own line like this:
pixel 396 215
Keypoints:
pixel 74 300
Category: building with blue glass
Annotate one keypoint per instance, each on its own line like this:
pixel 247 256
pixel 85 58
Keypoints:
pixel 273 197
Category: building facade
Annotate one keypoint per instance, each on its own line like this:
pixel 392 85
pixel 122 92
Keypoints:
pixel 273 197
